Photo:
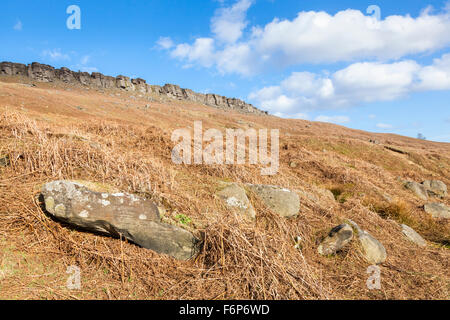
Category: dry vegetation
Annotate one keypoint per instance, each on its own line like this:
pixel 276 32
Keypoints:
pixel 52 133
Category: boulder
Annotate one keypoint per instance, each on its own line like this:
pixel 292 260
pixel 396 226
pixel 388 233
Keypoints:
pixel 236 199
pixel 413 236
pixel 437 210
pixel 418 189
pixel 337 239
pixel 435 188
pixel 137 219
pixel 372 249
pixel 284 202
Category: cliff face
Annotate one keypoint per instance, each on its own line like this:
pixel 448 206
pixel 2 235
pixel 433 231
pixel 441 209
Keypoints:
pixel 45 73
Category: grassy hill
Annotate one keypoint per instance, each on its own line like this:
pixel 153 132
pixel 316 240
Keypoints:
pixel 112 140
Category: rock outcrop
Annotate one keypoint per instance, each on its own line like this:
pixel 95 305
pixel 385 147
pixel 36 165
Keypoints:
pixel 134 218
pixel 45 73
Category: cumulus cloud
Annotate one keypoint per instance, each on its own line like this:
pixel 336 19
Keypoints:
pixel 228 24
pixel 311 37
pixel 358 83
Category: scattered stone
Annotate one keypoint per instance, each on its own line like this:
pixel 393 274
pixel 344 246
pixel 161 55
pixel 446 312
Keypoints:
pixel 437 210
pixel 137 219
pixel 284 202
pixel 337 239
pixel 418 189
pixel 4 161
pixel 327 194
pixel 435 188
pixel 372 249
pixel 413 236
pixel 293 164
pixel 235 198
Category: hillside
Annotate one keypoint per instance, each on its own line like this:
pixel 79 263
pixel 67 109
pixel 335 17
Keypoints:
pixel 120 141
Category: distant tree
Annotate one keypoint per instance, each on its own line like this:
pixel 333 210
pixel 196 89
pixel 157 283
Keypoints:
pixel 421 137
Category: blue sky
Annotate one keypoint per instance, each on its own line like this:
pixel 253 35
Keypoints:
pixel 316 60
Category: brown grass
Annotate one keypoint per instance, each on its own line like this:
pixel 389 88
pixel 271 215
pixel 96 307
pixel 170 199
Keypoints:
pixel 129 150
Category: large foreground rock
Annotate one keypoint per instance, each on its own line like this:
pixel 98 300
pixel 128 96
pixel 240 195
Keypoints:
pixel 337 239
pixel 413 236
pixel 116 214
pixel 435 188
pixel 437 210
pixel 282 201
pixel 236 199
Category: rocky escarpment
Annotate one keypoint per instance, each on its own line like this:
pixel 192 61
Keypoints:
pixel 45 73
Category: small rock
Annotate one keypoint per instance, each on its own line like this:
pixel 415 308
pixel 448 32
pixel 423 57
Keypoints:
pixel 235 198
pixel 137 219
pixel 284 202
pixel 413 236
pixel 435 188
pixel 437 210
pixel 4 161
pixel 337 239
pixel 293 164
pixel 418 189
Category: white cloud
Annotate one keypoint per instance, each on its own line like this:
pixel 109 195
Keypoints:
pixel 384 126
pixel 165 43
pixel 312 37
pixel 355 84
pixel 202 52
pixel 55 55
pixel 18 26
pixel 228 23
pixel 333 119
